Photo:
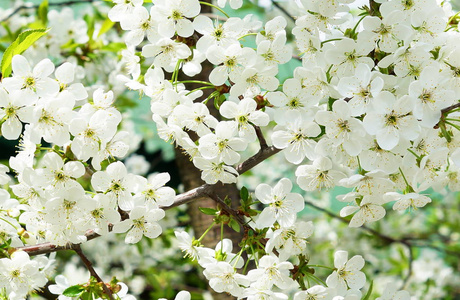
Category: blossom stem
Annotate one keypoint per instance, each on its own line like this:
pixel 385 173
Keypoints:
pixel 206 231
pixel 213 94
pixel 450 20
pixel 175 74
pixel 246 265
pixel 256 261
pixel 215 7
pixel 405 180
pixel 330 40
pixel 4 220
pixel 360 169
pixel 221 237
pixel 356 26
pixel 193 81
pixel 453 125
pixel 248 34
pixel 200 88
pixel 442 126
pixel 238 256
pixel 321 266
pixel 453 120
pixel 316 279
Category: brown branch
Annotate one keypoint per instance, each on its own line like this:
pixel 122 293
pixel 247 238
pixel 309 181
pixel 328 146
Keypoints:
pixel 44 248
pixel 260 136
pixel 237 218
pixel 409 271
pixel 25 6
pixel 89 266
pixel 256 159
pixel 230 211
pixel 444 112
pixel 190 196
pixel 205 189
pixel 404 241
pixel 449 108
pixel 283 10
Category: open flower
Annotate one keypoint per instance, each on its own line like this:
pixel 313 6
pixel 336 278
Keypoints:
pixel 347 273
pixel 282 205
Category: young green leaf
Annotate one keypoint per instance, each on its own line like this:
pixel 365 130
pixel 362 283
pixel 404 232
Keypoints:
pixel 42 12
pixel 244 194
pixel 73 291
pixel 208 211
pixel 106 26
pixel 22 42
pixel 234 225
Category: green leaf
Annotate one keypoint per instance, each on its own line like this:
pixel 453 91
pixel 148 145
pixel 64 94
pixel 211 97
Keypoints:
pixel 113 47
pixel 208 211
pixel 234 225
pixel 90 22
pixel 73 291
pixel 22 42
pixel 106 26
pixel 87 296
pixel 244 194
pixel 369 292
pixel 43 12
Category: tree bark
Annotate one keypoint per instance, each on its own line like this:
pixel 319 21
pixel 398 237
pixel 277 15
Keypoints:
pixel 191 178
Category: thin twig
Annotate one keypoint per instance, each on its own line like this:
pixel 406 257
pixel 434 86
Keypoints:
pixel 283 10
pixel 89 266
pixel 204 190
pixel 404 241
pixel 229 210
pixel 409 271
pixel 26 6
pixel 260 136
pixel 449 108
pixel 444 112
pixel 237 218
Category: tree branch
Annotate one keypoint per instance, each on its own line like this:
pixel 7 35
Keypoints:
pixel 444 112
pixel 449 108
pixel 44 248
pixel 404 240
pixel 256 159
pixel 283 10
pixel 190 195
pixel 28 6
pixel 205 189
pixel 260 136
pixel 230 211
pixel 409 271
pixel 89 266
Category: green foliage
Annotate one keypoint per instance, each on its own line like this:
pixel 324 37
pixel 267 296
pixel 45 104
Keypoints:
pixel 92 290
pixel 244 194
pixel 208 211
pixel 42 12
pixel 73 291
pixel 21 44
pixel 106 26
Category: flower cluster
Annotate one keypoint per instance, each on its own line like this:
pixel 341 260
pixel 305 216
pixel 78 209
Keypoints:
pixel 53 203
pixel 373 107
